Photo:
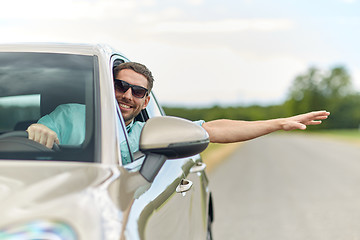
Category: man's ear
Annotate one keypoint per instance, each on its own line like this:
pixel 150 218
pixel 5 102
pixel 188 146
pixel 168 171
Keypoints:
pixel 147 99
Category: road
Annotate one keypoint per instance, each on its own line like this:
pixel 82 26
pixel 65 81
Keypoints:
pixel 288 187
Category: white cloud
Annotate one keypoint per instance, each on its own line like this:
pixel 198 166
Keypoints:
pixel 195 2
pixel 156 17
pixel 349 1
pixel 205 75
pixel 223 26
pixel 69 9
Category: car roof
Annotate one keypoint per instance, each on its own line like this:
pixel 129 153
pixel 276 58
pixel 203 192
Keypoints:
pixel 70 48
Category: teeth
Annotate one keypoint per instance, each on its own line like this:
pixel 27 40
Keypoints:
pixel 124 106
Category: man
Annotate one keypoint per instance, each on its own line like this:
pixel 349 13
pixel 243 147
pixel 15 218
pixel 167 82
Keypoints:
pixel 133 83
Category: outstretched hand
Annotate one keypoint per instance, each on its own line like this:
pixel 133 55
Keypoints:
pixel 302 120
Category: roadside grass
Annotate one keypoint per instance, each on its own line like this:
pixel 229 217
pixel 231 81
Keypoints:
pixel 215 153
pixel 349 135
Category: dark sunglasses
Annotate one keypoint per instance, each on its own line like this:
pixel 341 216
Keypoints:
pixel 122 86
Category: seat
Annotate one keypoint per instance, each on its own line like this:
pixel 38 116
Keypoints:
pixel 23 125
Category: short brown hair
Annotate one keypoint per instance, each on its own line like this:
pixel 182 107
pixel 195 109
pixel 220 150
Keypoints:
pixel 138 68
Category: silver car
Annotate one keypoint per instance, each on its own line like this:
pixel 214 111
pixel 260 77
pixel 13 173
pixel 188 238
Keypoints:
pixel 83 191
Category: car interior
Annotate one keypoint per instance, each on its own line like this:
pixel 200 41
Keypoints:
pixel 34 84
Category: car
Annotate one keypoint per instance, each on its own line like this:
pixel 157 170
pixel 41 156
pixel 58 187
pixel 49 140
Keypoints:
pixel 83 191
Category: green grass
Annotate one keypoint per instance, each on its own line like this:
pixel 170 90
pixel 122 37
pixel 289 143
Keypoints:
pixel 347 133
pixel 352 135
pixel 211 148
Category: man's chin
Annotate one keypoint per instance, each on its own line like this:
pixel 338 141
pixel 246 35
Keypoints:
pixel 129 115
pixel 128 118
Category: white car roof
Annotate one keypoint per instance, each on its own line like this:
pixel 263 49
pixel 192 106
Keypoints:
pixel 73 48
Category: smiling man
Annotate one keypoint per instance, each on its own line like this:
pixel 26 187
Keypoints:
pixel 139 79
pixel 133 83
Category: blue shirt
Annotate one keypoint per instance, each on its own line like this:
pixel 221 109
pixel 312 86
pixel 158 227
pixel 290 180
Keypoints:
pixel 68 121
pixel 134 130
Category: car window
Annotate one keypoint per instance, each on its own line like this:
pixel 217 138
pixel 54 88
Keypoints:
pixel 122 135
pixel 33 85
pixel 153 108
pixel 18 111
pixel 126 153
pixel 131 159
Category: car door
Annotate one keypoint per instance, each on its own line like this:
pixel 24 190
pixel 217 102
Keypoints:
pixel 175 206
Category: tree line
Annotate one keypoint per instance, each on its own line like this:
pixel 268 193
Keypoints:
pixel 316 89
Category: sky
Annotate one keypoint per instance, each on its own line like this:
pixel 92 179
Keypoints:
pixel 203 52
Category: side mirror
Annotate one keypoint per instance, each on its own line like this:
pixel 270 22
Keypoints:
pixel 173 137
pixel 168 138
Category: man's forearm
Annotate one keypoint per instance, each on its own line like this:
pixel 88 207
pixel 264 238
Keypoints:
pixel 228 131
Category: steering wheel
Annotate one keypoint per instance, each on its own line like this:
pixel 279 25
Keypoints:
pixel 18 141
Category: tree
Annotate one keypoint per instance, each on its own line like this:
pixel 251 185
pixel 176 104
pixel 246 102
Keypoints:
pixel 330 90
pixel 305 94
pixel 337 84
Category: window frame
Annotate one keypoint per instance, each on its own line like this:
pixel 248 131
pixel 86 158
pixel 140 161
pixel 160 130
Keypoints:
pixel 121 133
pixel 87 152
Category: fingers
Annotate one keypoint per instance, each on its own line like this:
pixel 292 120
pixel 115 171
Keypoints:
pixel 320 114
pixel 313 123
pixel 302 120
pixel 48 140
pixel 313 118
pixel 42 134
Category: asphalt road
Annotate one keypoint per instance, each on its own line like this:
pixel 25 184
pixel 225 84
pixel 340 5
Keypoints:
pixel 288 187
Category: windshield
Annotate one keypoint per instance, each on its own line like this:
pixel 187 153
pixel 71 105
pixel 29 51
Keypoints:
pixel 32 86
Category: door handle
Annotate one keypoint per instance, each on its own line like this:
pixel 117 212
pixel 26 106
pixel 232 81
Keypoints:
pixel 199 166
pixel 184 186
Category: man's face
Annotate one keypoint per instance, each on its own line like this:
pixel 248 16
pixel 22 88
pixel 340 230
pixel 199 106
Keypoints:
pixel 131 106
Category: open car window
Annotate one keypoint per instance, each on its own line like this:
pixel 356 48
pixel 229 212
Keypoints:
pixel 127 156
pixel 32 86
pixel 131 157
pixel 152 110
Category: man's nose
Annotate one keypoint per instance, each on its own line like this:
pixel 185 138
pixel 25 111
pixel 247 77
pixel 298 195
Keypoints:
pixel 128 94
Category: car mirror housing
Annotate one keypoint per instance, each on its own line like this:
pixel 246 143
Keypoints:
pixel 173 137
pixel 168 137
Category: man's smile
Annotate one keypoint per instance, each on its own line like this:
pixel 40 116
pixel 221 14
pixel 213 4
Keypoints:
pixel 125 106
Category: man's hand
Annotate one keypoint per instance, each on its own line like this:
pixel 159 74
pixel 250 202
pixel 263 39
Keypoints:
pixel 300 121
pixel 42 134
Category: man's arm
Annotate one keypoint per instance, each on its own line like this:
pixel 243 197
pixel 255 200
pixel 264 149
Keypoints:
pixel 228 131
pixel 64 125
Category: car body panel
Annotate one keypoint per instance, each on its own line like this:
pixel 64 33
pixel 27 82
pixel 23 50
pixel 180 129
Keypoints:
pixel 57 191
pixel 102 199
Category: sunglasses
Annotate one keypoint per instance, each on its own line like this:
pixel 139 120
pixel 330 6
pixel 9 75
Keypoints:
pixel 122 86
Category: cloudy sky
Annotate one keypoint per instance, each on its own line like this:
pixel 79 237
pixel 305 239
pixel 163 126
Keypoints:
pixel 203 52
